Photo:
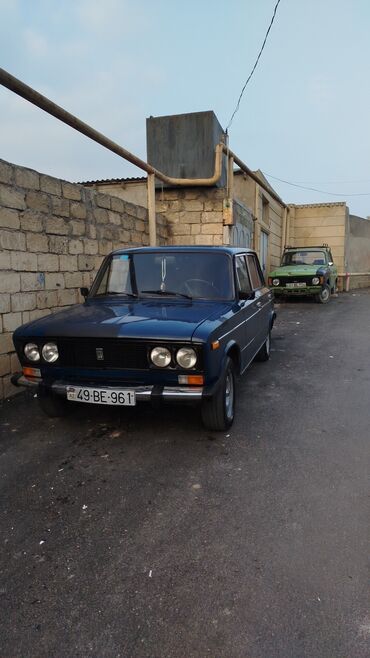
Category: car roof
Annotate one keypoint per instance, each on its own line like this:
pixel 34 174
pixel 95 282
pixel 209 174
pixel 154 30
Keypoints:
pixel 185 249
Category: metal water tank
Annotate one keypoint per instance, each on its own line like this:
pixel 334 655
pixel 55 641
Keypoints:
pixel 183 145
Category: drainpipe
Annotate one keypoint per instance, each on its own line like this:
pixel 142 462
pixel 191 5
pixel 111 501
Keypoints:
pixel 285 222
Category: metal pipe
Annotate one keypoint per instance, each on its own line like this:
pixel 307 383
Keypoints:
pixel 151 210
pixel 253 176
pixel 29 94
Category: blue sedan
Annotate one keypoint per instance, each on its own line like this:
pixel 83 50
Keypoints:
pixel 158 324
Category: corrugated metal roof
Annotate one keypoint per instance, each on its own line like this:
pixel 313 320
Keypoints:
pixel 112 181
pixel 316 205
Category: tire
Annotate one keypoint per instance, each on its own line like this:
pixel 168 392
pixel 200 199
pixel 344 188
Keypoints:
pixel 264 353
pixel 324 295
pixel 218 411
pixel 53 405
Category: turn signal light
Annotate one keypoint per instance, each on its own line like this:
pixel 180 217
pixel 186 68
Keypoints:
pixel 192 380
pixel 31 372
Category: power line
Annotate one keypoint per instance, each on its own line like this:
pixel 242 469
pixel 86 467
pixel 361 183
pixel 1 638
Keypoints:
pixel 314 189
pixel 255 65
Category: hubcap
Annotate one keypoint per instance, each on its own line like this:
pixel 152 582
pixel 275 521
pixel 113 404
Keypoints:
pixel 268 343
pixel 325 294
pixel 229 396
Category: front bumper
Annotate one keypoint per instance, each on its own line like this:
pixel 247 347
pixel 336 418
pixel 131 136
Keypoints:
pixel 151 393
pixel 309 290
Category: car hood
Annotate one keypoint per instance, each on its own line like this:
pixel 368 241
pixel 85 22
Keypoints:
pixel 296 270
pixel 149 319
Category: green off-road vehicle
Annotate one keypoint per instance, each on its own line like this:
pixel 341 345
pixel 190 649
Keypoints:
pixel 305 271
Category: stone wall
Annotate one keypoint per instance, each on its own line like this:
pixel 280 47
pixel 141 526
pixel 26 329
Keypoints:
pixel 53 237
pixel 194 215
pixel 358 251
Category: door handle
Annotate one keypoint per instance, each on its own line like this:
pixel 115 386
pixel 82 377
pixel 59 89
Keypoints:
pixel 259 304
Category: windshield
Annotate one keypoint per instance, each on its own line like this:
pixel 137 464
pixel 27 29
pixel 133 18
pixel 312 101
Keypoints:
pixel 304 258
pixel 182 274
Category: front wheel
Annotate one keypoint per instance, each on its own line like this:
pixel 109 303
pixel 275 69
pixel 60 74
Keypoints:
pixel 219 410
pixel 324 295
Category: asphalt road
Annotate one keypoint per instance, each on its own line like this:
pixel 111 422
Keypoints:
pixel 138 534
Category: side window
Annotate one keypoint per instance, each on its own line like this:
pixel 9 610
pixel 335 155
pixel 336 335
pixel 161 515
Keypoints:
pixel 254 272
pixel 242 275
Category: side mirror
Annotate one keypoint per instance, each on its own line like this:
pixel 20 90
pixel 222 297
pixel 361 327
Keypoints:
pixel 84 292
pixel 330 263
pixel 246 295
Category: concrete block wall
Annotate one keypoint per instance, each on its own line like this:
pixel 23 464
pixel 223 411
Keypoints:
pixel 194 215
pixel 53 237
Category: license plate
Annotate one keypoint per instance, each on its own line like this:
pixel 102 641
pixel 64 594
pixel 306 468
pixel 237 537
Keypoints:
pixel 299 284
pixel 116 397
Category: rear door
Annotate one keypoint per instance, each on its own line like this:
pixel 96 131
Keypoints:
pixel 247 312
pixel 262 302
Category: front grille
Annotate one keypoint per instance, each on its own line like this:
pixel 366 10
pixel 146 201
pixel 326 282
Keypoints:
pixel 116 353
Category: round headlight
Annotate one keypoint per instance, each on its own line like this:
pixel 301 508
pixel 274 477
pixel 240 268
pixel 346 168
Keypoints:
pixel 186 357
pixel 161 357
pixel 32 352
pixel 275 282
pixel 50 352
pixel 315 281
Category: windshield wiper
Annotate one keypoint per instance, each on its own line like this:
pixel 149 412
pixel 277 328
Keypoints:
pixel 166 292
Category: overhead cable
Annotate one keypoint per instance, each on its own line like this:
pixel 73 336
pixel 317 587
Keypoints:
pixel 254 67
pixel 314 189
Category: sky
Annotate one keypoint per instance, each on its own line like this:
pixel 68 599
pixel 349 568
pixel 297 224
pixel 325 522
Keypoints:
pixel 304 116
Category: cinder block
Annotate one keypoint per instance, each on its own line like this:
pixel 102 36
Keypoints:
pixel 11 321
pixel 9 218
pixel 181 229
pixel 25 317
pixel 103 201
pixel 27 178
pixel 24 301
pixel 212 229
pixel 48 263
pixel 37 242
pixel 91 231
pixel 86 263
pixel 184 239
pixel 203 239
pixel 10 282
pixel 38 201
pixel 114 218
pixel 6 344
pixel 59 206
pixel 68 263
pixel 6 172
pixel 13 240
pixel 211 217
pixel 78 228
pixel 5 260
pixel 32 281
pixel 4 364
pixel 117 204
pixel 46 299
pixel 101 215
pixel 76 247
pixel 54 281
pixel 8 389
pixel 23 261
pixel 50 185
pixel 58 244
pixel 73 280
pixel 15 365
pixel 39 313
pixel 4 302
pixel 57 226
pixel 90 247
pixel 11 198
pixel 78 210
pixel 71 191
pixel 67 297
pixel 32 221
pixel 105 247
